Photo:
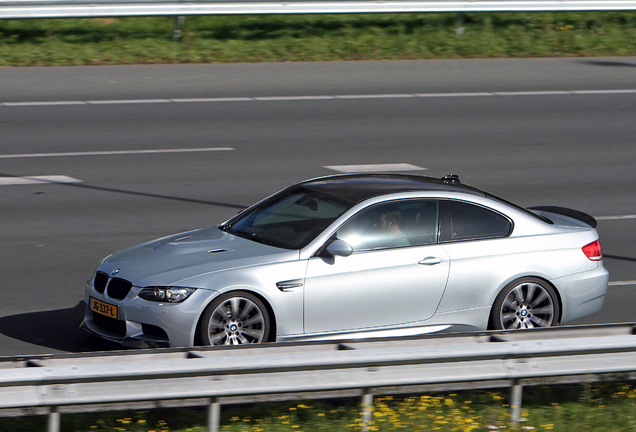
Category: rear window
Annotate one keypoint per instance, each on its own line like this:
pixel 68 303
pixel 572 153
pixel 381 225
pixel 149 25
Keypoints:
pixel 466 221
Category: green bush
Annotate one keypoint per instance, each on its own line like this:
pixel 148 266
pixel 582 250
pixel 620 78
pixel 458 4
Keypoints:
pixel 218 39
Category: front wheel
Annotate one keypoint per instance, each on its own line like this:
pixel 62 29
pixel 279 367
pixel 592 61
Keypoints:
pixel 525 303
pixel 235 319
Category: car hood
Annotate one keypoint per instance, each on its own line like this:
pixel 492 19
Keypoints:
pixel 169 260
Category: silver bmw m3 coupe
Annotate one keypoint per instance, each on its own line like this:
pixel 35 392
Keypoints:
pixel 353 256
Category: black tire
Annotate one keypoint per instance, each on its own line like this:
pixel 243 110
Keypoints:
pixel 235 318
pixel 525 303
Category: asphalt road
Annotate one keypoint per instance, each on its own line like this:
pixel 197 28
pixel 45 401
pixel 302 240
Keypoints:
pixel 549 139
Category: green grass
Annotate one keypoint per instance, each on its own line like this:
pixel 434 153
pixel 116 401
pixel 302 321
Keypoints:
pixel 216 39
pixel 599 407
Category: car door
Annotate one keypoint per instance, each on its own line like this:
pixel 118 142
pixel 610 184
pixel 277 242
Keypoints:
pixel 388 279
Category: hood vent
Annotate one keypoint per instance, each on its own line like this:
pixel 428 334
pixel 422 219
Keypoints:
pixel 183 238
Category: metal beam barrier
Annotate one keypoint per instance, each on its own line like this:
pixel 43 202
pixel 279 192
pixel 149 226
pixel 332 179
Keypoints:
pixel 22 9
pixel 304 368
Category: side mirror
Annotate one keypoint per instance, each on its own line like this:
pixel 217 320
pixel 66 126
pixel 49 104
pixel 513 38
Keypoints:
pixel 339 248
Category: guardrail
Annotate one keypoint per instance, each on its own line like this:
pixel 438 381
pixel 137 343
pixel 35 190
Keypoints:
pixel 20 9
pixel 213 373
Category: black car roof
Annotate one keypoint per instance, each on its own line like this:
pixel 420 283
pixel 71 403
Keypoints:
pixel 358 187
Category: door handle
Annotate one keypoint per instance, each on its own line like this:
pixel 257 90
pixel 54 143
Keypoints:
pixel 430 261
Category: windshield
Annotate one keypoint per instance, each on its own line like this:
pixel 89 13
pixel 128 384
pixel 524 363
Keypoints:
pixel 290 219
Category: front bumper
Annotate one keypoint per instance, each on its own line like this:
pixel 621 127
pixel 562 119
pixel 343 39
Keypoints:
pixel 137 342
pixel 145 324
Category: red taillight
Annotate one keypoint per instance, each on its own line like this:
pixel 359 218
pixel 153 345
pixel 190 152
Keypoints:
pixel 593 251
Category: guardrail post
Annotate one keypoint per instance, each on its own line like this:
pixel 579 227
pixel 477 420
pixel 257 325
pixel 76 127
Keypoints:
pixel 54 420
pixel 178 22
pixel 367 413
pixel 214 415
pixel 516 393
pixel 460 24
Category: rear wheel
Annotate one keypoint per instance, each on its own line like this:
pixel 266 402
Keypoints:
pixel 235 319
pixel 525 303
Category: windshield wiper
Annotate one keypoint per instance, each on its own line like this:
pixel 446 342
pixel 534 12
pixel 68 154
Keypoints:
pixel 226 228
pixel 253 236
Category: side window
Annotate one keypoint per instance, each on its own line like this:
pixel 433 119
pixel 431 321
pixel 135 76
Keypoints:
pixel 392 225
pixel 464 221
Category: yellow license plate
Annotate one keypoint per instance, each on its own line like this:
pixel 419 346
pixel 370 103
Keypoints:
pixel 103 308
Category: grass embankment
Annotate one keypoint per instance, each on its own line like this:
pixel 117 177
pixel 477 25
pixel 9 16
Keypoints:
pixel 593 408
pixel 315 37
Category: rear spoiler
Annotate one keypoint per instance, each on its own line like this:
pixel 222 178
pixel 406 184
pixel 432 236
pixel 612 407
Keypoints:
pixel 575 214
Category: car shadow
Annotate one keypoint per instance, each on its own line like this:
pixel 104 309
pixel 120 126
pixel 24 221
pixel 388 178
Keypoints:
pixel 609 63
pixel 136 193
pixel 616 257
pixel 56 329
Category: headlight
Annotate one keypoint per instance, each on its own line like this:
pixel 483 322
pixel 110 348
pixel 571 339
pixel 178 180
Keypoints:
pixel 166 294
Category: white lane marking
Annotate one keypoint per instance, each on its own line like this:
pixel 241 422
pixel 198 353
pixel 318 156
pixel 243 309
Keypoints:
pixel 374 168
pixel 603 91
pixel 128 101
pixel 44 103
pixel 322 97
pixel 289 98
pixel 425 95
pixel 622 283
pixel 532 93
pixel 615 217
pixel 227 99
pixel 114 152
pixel 10 181
pixel 375 96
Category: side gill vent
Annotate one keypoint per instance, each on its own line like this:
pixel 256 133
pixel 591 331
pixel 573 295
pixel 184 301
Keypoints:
pixel 217 250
